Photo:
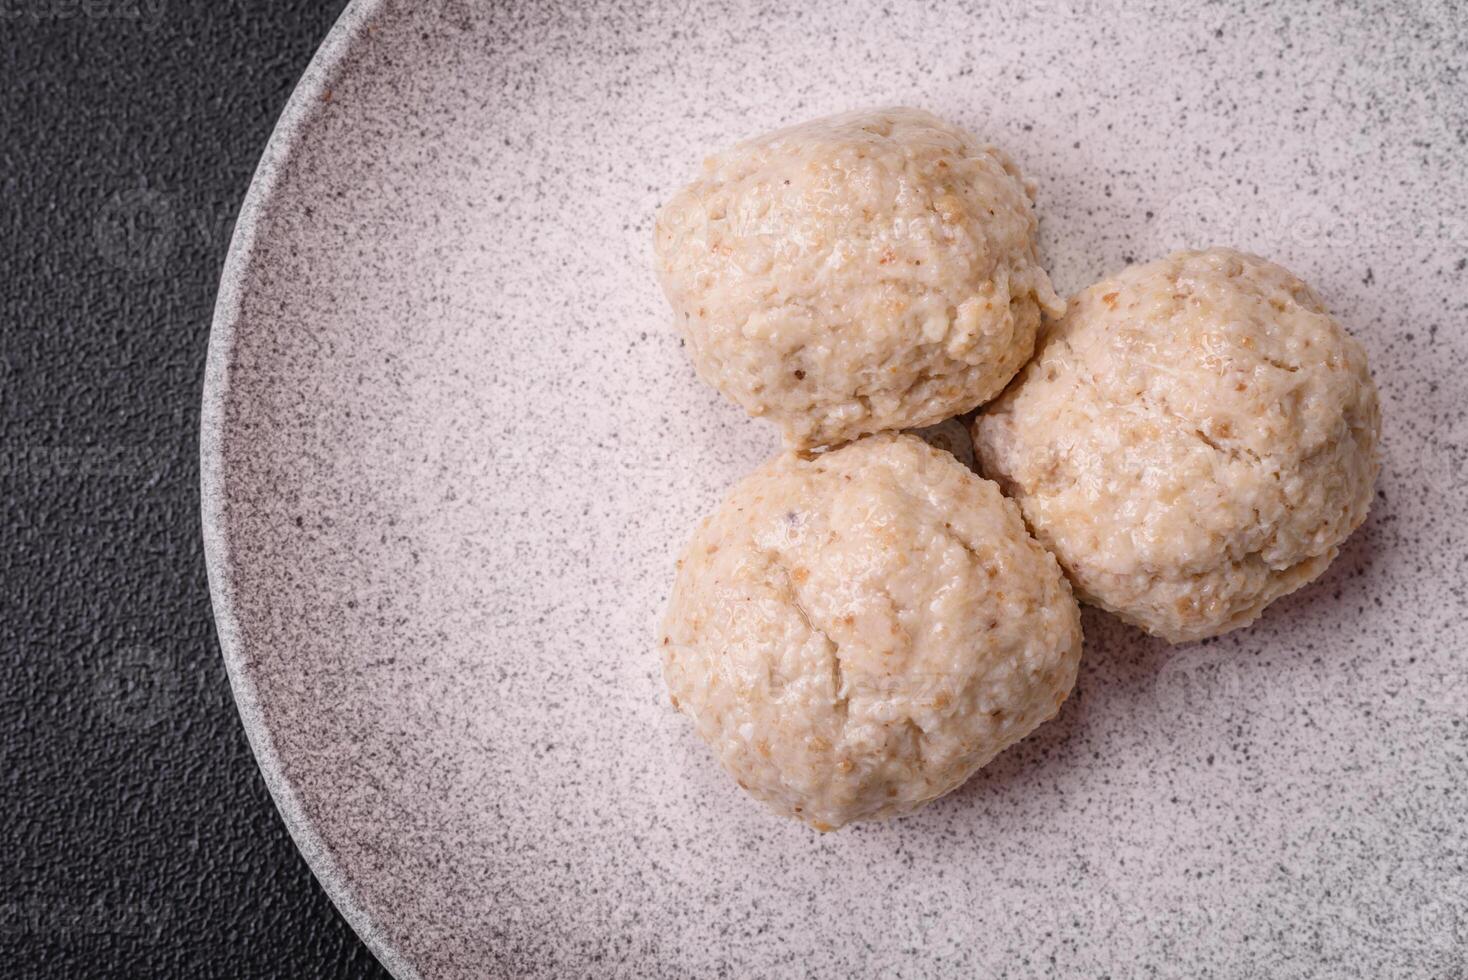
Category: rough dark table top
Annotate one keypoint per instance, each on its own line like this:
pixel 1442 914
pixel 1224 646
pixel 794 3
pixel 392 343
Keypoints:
pixel 138 837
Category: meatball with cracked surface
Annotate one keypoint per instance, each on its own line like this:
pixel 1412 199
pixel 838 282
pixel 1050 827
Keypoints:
pixel 864 272
pixel 854 633
pixel 1195 438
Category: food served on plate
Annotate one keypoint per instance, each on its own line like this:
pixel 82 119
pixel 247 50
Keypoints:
pixel 855 632
pixel 864 272
pixel 1194 439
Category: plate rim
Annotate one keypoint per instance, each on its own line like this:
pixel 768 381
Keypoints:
pixel 305 103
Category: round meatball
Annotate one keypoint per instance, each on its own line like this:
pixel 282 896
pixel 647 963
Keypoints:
pixel 854 633
pixel 1195 438
pixel 859 273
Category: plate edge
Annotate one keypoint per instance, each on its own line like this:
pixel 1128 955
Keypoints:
pixel 305 101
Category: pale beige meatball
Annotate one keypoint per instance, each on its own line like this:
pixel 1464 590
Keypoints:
pixel 859 273
pixel 855 633
pixel 1195 438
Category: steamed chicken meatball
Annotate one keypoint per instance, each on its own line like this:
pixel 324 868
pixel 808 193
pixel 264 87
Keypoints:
pixel 855 274
pixel 1195 438
pixel 854 633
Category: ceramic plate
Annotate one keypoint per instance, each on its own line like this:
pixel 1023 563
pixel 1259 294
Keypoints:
pixel 451 448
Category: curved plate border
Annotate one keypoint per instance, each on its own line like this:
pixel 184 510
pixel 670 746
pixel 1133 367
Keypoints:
pixel 301 108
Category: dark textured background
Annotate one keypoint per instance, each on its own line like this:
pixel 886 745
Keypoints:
pixel 138 837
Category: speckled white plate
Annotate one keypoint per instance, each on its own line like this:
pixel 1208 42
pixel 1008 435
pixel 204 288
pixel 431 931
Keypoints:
pixel 451 448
